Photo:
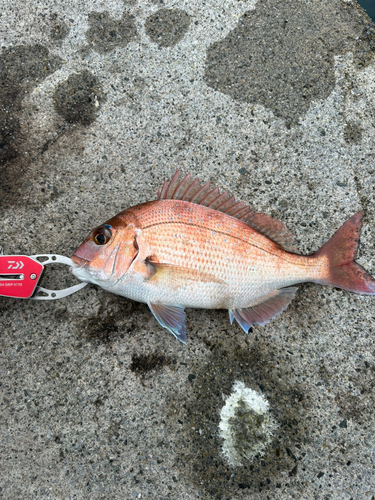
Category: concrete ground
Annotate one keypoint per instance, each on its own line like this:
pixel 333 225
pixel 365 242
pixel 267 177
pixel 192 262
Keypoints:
pixel 100 102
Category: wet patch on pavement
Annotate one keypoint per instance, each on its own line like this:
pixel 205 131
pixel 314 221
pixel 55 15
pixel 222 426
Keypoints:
pixel 198 438
pixel 21 68
pixel 167 27
pixel 59 29
pixel 106 33
pixel 79 98
pixel 352 133
pixel 145 363
pixel 113 320
pixel 281 54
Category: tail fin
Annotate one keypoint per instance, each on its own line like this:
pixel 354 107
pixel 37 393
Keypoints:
pixel 341 250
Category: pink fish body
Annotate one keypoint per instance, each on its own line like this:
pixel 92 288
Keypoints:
pixel 195 247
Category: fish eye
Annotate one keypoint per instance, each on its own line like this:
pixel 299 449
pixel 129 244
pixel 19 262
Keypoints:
pixel 102 235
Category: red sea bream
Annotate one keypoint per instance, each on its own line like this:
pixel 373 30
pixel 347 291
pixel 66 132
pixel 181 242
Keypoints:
pixel 194 247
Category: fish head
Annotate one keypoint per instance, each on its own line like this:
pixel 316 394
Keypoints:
pixel 107 252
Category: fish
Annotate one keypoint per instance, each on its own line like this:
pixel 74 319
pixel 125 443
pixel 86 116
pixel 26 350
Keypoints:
pixel 194 247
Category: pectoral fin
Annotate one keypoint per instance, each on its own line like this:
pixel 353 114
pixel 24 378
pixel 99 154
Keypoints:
pixel 148 266
pixel 172 318
pixel 262 312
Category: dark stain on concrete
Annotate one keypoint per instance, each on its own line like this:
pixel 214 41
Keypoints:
pixel 21 68
pixel 167 27
pixel 79 98
pixel 281 54
pixel 104 327
pixel 112 322
pixel 106 33
pixel 144 363
pixel 59 29
pixel 352 133
pixel 198 441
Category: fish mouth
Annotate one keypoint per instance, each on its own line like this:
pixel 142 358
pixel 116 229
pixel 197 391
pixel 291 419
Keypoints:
pixel 78 261
pixel 79 268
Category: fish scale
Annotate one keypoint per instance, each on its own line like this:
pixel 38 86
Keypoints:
pixel 195 247
pixel 249 263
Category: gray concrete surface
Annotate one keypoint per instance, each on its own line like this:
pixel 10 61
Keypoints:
pixel 100 102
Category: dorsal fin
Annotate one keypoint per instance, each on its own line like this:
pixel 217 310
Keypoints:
pixel 191 190
pixel 273 229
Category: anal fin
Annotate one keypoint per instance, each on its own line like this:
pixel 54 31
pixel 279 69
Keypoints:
pixel 172 318
pixel 263 311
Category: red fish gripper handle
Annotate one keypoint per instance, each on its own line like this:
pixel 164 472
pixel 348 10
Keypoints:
pixel 19 276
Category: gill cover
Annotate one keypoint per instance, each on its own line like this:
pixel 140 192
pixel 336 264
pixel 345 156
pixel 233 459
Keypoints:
pixel 107 252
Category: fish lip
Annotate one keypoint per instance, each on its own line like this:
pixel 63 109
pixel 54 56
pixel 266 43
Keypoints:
pixel 79 261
